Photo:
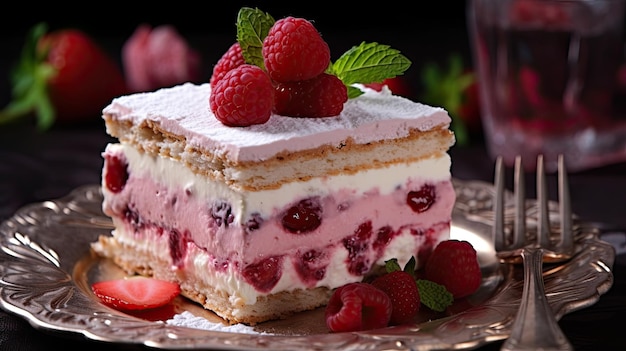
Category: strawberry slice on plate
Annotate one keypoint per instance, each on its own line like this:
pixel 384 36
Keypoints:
pixel 135 293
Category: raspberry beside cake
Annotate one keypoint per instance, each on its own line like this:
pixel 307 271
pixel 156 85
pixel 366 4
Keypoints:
pixel 256 223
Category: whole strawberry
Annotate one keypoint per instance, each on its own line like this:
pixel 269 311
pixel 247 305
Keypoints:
pixel 357 306
pixel 402 290
pixel 454 264
pixel 293 50
pixel 243 97
pixel 321 96
pixel 62 76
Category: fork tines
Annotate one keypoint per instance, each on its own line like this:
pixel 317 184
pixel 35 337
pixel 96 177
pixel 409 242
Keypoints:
pixel 518 236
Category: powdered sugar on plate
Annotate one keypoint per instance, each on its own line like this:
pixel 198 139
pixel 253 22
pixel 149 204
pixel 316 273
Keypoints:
pixel 189 320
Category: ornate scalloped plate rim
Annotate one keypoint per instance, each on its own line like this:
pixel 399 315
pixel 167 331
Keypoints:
pixel 50 299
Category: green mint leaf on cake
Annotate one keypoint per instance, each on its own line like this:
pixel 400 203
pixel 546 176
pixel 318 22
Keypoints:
pixel 434 296
pixel 252 27
pixel 368 63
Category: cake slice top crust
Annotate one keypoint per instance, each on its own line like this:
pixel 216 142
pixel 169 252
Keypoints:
pixel 182 112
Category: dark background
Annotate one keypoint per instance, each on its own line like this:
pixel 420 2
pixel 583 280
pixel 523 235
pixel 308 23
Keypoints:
pixel 423 35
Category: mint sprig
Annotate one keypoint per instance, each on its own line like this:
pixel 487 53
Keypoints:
pixel 369 63
pixel 364 64
pixel 252 27
pixel 433 295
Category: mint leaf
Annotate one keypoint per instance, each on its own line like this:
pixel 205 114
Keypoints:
pixel 353 92
pixel 369 63
pixel 252 27
pixel 434 296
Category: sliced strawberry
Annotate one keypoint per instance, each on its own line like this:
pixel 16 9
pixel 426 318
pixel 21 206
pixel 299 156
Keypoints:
pixel 135 293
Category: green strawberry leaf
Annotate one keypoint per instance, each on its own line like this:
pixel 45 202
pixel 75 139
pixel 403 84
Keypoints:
pixel 252 27
pixel 29 85
pixel 434 296
pixel 369 63
pixel 392 265
pixel 409 267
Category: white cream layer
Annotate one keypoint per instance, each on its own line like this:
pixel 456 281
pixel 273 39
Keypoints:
pixel 184 110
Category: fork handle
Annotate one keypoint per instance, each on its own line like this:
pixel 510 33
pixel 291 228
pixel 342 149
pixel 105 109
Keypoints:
pixel 535 326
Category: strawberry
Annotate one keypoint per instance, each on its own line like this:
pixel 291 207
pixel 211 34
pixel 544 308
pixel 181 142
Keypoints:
pixel 454 264
pixel 402 290
pixel 135 293
pixel 357 306
pixel 63 76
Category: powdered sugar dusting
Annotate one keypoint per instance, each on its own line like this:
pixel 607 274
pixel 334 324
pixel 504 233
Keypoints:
pixel 188 320
pixel 184 110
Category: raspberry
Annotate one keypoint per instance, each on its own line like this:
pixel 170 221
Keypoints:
pixel 321 96
pixel 303 217
pixel 116 173
pixel 357 306
pixel 422 199
pixel 232 58
pixel 402 290
pixel 243 97
pixel 265 274
pixel 454 264
pixel 293 50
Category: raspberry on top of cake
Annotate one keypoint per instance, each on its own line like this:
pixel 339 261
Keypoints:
pixel 259 210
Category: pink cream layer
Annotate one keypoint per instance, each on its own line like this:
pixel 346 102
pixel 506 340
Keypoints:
pixel 360 229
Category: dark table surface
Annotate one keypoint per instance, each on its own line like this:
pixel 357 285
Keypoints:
pixel 36 166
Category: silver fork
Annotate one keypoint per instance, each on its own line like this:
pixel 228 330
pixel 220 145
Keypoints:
pixel 535 327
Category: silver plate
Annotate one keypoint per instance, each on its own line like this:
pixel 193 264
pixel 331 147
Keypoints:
pixel 46 269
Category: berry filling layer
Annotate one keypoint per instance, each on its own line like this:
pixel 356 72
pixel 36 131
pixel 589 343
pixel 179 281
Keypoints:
pixel 324 232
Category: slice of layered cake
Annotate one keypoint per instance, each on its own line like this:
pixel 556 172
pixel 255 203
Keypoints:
pixel 260 221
